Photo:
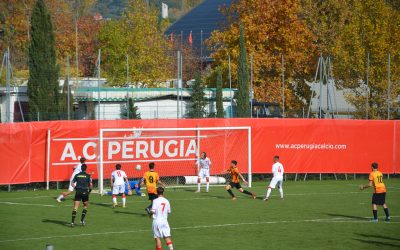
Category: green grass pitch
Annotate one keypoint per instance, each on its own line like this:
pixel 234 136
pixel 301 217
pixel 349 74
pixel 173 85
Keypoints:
pixel 314 215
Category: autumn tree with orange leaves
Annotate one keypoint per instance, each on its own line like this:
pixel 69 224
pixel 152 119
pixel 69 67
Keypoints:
pixel 272 29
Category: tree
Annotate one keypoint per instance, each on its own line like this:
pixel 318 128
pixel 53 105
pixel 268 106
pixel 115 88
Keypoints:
pixel 198 99
pixel 372 28
pixel 43 89
pixel 64 102
pixel 218 95
pixel 272 29
pixel 131 111
pixel 138 35
pixel 326 20
pixel 242 98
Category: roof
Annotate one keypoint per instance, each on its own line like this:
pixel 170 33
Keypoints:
pixel 205 17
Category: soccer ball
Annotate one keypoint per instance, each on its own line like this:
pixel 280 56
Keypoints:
pixel 138 167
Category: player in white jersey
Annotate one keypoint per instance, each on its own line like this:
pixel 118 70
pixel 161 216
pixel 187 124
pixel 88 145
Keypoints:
pixel 118 180
pixel 203 169
pixel 77 170
pixel 160 210
pixel 277 179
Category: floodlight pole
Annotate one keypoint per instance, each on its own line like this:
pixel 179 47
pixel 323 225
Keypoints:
pixel 230 83
pixel 251 85
pixel 68 91
pixel 178 55
pixel 8 88
pixel 388 93
pixel 367 81
pixel 98 84
pixel 283 85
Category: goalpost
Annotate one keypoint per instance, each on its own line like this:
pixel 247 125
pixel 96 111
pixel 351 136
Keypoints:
pixel 174 152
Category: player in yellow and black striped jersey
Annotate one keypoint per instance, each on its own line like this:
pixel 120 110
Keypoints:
pixel 151 179
pixel 379 196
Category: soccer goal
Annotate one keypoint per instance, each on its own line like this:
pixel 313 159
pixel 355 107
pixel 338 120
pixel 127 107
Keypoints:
pixel 174 152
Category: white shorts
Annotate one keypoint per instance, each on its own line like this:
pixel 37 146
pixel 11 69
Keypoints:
pixel 203 173
pixel 118 189
pixel 71 188
pixel 276 181
pixel 161 229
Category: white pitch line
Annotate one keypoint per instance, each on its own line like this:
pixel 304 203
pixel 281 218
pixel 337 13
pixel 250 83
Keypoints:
pixel 176 228
pixel 26 204
pixel 27 197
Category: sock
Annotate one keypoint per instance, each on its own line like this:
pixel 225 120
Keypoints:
pixel 386 212
pixel 375 212
pixel 149 207
pixel 281 192
pixel 73 215
pixel 170 246
pixel 231 193
pixel 114 199
pixel 207 186
pixel 158 248
pixel 84 211
pixel 123 200
pixel 268 193
pixel 60 197
pixel 247 192
pixel 198 187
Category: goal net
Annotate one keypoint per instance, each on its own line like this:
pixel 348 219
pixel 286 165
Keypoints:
pixel 174 152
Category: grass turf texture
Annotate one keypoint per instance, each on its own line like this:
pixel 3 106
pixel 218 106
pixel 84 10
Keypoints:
pixel 314 215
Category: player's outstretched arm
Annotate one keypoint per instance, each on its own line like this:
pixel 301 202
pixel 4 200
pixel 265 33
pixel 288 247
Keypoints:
pixel 362 187
pixel 243 179
pixel 161 183
pixel 127 182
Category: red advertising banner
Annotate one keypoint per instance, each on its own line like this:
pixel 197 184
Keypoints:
pixel 304 145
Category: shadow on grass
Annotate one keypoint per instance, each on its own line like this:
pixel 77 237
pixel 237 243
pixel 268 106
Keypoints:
pixel 379 243
pixel 377 236
pixel 101 204
pixel 57 222
pixel 348 216
pixel 113 248
pixel 132 213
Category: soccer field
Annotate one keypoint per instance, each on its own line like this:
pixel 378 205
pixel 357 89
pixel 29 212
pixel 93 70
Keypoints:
pixel 314 215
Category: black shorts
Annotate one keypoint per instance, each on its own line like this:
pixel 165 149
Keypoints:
pixel 152 197
pixel 82 195
pixel 379 199
pixel 235 185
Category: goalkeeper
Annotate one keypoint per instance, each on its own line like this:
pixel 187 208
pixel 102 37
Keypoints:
pixel 133 184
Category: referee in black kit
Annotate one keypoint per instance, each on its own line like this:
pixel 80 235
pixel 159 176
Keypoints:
pixel 83 185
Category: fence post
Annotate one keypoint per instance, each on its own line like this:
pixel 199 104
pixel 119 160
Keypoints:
pixel 295 177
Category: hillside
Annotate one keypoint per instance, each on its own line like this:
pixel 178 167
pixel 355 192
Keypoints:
pixel 114 8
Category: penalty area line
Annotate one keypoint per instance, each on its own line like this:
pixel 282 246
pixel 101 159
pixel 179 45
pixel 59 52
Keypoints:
pixel 341 219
